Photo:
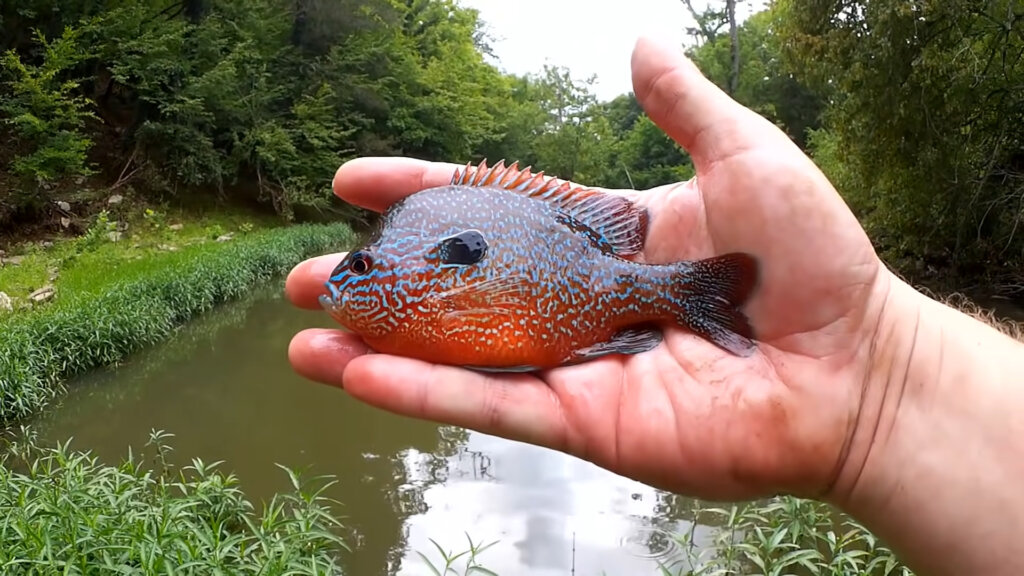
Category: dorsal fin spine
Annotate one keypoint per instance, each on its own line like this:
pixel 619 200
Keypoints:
pixel 621 225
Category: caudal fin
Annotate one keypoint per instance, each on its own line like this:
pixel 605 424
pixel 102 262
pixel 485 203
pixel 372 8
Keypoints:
pixel 712 292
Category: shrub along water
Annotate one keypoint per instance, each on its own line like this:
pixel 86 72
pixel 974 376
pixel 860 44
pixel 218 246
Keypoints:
pixel 150 298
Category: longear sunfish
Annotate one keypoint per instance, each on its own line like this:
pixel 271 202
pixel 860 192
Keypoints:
pixel 509 271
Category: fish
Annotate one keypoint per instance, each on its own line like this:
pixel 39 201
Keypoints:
pixel 507 270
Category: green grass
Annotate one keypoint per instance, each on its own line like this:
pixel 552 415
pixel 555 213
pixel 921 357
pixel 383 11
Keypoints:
pixel 64 513
pixel 91 260
pixel 109 308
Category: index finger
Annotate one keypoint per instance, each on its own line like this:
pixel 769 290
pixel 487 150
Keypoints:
pixel 375 183
pixel 305 283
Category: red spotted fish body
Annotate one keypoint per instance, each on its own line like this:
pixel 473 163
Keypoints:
pixel 506 270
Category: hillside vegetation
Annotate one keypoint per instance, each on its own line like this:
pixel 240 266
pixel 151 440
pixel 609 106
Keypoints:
pixel 914 109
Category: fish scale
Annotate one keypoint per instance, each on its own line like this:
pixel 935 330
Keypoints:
pixel 547 280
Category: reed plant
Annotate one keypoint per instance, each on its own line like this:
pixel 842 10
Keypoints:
pixel 62 512
pixel 103 319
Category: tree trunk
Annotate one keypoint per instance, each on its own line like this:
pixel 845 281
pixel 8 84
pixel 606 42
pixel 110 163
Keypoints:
pixel 299 22
pixel 734 46
pixel 194 10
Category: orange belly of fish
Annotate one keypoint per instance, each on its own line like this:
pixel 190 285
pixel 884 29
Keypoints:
pixel 469 349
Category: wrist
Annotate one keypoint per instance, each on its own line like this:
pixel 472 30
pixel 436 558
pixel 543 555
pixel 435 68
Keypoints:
pixel 937 452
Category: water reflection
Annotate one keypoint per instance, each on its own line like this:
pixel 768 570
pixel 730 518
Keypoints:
pixel 551 513
pixel 223 386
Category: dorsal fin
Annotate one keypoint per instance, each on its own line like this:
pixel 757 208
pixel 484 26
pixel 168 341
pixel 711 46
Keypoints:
pixel 618 224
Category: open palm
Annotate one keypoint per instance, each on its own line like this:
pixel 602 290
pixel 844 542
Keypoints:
pixel 686 416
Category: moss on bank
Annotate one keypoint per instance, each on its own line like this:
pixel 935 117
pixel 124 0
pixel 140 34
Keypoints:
pixel 111 313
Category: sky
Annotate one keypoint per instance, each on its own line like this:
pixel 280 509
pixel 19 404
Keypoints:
pixel 586 36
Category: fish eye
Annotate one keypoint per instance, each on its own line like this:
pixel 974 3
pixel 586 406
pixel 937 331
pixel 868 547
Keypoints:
pixel 361 262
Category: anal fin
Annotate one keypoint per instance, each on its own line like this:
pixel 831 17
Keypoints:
pixel 628 341
pixel 503 369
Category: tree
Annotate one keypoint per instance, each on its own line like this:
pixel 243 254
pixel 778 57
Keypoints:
pixel 709 22
pixel 924 131
pixel 765 83
pixel 262 96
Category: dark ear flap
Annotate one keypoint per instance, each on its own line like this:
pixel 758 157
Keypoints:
pixel 463 249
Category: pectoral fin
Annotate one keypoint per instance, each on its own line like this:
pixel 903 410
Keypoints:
pixel 487 293
pixel 479 302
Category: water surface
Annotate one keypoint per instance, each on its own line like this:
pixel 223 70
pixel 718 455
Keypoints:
pixel 224 388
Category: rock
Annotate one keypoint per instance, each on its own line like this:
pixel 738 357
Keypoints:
pixel 64 206
pixel 167 247
pixel 5 302
pixel 53 272
pixel 115 199
pixel 225 237
pixel 46 244
pixel 43 294
pixel 3 253
pixel 65 221
pixel 114 236
pixel 12 260
pixel 175 227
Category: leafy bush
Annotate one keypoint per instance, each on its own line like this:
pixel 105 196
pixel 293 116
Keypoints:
pixel 223 102
pixel 45 109
pixel 68 514
pixel 97 327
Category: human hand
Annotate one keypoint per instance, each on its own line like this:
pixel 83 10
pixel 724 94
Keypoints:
pixel 686 416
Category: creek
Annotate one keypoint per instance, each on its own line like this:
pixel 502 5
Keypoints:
pixel 223 386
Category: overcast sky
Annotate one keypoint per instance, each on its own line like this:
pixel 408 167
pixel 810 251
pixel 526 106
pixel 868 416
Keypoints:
pixel 586 36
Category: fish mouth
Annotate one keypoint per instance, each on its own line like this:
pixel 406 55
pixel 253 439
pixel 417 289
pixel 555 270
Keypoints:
pixel 333 307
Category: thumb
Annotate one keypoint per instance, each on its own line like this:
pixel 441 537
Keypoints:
pixel 691 109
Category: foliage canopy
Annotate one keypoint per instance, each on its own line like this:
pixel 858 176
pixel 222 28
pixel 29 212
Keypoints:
pixel 914 109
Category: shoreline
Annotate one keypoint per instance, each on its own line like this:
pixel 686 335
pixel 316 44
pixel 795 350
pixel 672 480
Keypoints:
pixel 99 325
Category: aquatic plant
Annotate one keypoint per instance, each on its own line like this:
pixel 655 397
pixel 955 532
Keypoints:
pixel 100 325
pixel 781 536
pixel 446 565
pixel 66 513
